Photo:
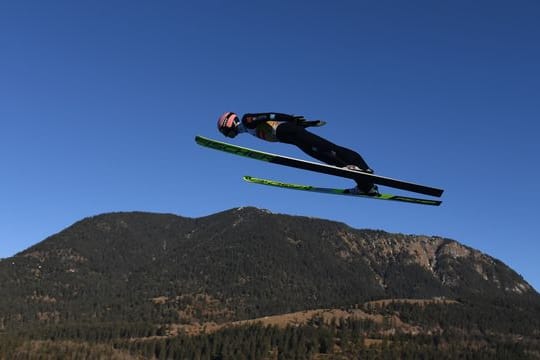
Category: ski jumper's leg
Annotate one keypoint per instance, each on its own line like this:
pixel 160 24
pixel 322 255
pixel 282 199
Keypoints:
pixel 318 147
pixel 321 149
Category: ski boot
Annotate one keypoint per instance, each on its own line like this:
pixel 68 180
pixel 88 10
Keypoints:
pixel 367 189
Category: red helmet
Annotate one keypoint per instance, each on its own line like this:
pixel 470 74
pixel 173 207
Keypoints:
pixel 228 124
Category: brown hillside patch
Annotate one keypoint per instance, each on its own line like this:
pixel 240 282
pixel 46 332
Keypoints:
pixel 373 342
pixel 302 318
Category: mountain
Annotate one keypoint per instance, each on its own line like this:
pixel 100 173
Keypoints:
pixel 243 264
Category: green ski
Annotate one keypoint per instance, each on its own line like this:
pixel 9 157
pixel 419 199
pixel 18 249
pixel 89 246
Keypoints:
pixel 317 167
pixel 340 191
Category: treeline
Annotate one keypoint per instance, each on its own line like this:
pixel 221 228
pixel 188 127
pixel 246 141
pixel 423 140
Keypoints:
pixel 347 339
pixel 342 338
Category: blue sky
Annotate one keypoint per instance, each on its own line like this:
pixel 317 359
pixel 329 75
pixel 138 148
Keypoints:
pixel 100 102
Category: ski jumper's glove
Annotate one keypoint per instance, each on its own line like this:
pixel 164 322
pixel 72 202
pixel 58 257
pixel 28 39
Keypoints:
pixel 301 121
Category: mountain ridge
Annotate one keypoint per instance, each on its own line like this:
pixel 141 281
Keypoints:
pixel 161 277
pixel 240 254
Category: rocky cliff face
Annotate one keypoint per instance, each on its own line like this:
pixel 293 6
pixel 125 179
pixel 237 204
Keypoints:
pixel 436 255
